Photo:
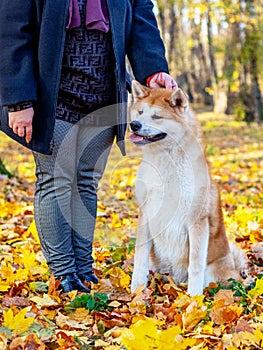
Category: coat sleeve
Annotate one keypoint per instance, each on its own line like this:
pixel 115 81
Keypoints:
pixel 17 64
pixel 146 50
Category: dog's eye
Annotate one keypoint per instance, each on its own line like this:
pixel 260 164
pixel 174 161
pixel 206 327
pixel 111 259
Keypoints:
pixel 156 116
pixel 140 112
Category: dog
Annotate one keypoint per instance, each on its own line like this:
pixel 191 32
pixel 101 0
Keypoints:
pixel 180 228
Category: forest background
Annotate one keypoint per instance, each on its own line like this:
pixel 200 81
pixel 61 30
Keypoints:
pixel 215 51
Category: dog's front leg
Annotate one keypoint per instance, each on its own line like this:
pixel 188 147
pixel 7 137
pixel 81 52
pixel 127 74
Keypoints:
pixel 142 254
pixel 198 249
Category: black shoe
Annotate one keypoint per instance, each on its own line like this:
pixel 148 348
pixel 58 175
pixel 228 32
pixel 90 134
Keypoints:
pixel 88 277
pixel 72 282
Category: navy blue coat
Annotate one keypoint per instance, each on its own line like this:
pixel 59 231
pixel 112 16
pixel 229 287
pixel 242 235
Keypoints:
pixel 32 35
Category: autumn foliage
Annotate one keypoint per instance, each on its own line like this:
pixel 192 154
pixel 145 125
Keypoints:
pixel 34 315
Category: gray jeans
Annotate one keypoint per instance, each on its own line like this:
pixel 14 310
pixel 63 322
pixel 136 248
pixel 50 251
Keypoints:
pixel 66 195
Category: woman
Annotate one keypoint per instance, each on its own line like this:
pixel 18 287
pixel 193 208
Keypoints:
pixel 61 61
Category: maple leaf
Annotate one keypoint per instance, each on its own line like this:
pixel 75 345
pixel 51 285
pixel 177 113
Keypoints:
pixel 17 323
pixel 144 334
pixel 171 339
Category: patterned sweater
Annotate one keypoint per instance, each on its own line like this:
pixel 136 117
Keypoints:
pixel 87 77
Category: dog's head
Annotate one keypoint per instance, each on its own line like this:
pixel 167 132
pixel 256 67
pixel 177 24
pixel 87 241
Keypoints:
pixel 157 114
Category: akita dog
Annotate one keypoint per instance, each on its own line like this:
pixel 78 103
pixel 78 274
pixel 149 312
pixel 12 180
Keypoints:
pixel 180 229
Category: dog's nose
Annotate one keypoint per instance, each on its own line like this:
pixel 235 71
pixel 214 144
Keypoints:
pixel 135 125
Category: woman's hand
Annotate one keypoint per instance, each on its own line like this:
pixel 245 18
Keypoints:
pixel 21 123
pixel 161 80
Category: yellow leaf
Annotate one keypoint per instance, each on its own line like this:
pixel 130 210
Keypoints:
pixel 119 278
pixel 170 339
pixel 38 270
pixel 138 317
pixel 144 334
pixel 21 275
pixel 257 290
pixel 208 328
pixel 32 230
pixel 18 323
pixel 8 208
pixel 225 178
pixel 45 301
pixel 29 258
pixel 115 222
pixel 137 307
pixel 183 300
pixel 193 315
pixel 7 273
pixel 141 335
pixel 4 287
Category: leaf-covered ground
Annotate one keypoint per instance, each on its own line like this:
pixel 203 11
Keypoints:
pixel 33 315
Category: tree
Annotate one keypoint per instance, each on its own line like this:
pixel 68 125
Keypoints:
pixel 214 49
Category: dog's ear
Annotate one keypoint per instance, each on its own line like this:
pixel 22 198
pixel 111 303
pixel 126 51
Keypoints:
pixel 179 100
pixel 138 90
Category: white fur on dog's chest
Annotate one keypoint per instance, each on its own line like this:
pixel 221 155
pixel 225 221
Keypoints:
pixel 172 190
pixel 166 201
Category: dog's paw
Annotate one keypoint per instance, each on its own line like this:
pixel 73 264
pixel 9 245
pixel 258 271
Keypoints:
pixel 192 291
pixel 137 285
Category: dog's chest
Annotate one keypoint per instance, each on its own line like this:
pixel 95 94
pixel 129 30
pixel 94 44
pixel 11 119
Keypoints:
pixel 165 185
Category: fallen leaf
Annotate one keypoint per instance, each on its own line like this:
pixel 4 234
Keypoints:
pixel 257 290
pixel 226 295
pixel 243 326
pixel 119 278
pixel 46 300
pixel 17 301
pixel 18 323
pixel 193 315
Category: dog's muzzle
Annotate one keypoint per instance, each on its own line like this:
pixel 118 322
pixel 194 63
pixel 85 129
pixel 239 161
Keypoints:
pixel 135 125
pixel 141 138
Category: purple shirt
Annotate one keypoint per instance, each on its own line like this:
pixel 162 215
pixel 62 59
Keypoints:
pixel 97 15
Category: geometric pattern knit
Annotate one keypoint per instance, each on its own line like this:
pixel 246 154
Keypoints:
pixel 87 80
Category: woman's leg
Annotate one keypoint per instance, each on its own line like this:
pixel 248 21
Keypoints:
pixel 94 145
pixel 53 200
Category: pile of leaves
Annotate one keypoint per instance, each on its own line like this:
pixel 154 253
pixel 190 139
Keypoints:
pixel 35 315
